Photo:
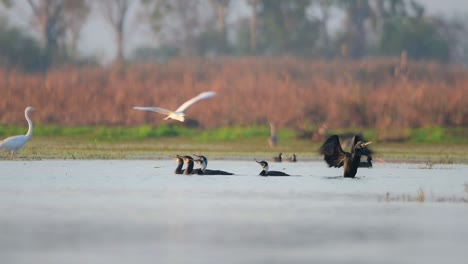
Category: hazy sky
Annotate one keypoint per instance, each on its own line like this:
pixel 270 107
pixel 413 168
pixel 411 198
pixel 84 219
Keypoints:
pixel 97 37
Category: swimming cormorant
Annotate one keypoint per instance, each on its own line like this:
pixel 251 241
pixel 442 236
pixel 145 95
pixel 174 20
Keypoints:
pixel 293 158
pixel 202 162
pixel 266 172
pixel 180 162
pixel 278 158
pixel 189 169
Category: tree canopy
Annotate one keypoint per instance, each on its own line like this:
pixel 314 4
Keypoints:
pixel 200 28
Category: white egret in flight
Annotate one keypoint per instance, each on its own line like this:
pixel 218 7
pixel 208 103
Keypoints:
pixel 14 143
pixel 179 113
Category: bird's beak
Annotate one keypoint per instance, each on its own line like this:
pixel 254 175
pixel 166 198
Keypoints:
pixel 366 143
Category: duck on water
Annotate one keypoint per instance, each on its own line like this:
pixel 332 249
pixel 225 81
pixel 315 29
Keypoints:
pixel 266 172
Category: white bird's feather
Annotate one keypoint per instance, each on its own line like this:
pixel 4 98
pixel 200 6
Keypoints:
pixel 179 113
pixel 202 96
pixel 14 143
pixel 154 109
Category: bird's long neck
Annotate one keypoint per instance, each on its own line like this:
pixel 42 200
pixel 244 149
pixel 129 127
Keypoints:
pixel 356 158
pixel 178 169
pixel 264 172
pixel 189 168
pixel 30 123
pixel 203 165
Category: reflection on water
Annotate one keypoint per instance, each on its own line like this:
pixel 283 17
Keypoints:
pixel 139 212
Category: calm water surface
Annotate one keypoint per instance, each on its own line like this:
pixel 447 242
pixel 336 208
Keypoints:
pixel 140 212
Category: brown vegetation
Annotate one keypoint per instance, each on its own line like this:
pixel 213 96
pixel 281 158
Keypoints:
pixel 284 91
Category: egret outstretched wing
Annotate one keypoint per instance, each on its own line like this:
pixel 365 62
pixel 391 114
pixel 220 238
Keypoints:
pixel 154 109
pixel 202 96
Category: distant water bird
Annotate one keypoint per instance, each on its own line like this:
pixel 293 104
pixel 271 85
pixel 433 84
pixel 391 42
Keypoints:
pixel 202 162
pixel 293 158
pixel 14 143
pixel 266 172
pixel 336 157
pixel 278 158
pixel 179 113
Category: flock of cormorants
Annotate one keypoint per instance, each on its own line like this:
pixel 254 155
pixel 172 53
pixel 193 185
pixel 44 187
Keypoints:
pixel 332 151
pixel 201 161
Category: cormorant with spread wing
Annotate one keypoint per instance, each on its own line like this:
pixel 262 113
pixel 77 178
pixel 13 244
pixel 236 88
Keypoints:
pixel 336 157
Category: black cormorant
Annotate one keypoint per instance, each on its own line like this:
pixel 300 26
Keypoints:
pixel 180 163
pixel 293 158
pixel 278 158
pixel 364 152
pixel 336 157
pixel 202 162
pixel 266 172
pixel 189 169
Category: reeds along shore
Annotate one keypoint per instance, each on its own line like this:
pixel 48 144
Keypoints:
pixel 288 92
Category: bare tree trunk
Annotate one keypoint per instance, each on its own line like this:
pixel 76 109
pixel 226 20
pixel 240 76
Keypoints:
pixel 325 6
pixel 48 16
pixel 253 25
pixel 116 12
pixel 120 48
pixel 221 10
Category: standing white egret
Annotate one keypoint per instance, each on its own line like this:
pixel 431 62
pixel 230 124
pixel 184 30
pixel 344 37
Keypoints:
pixel 14 143
pixel 179 113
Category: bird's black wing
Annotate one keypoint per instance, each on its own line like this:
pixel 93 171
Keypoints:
pixel 333 153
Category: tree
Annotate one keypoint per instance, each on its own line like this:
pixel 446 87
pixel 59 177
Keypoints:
pixel 116 14
pixel 74 19
pixel 419 37
pixel 221 7
pixel 354 36
pixel 47 16
pixel 324 8
pixel 285 27
pixel 403 27
pixel 254 5
pixel 53 19
pixel 18 50
pixel 180 23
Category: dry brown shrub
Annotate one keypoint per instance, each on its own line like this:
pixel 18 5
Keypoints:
pixel 286 91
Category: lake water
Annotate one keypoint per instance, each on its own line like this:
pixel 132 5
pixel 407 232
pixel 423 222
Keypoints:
pixel 138 211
